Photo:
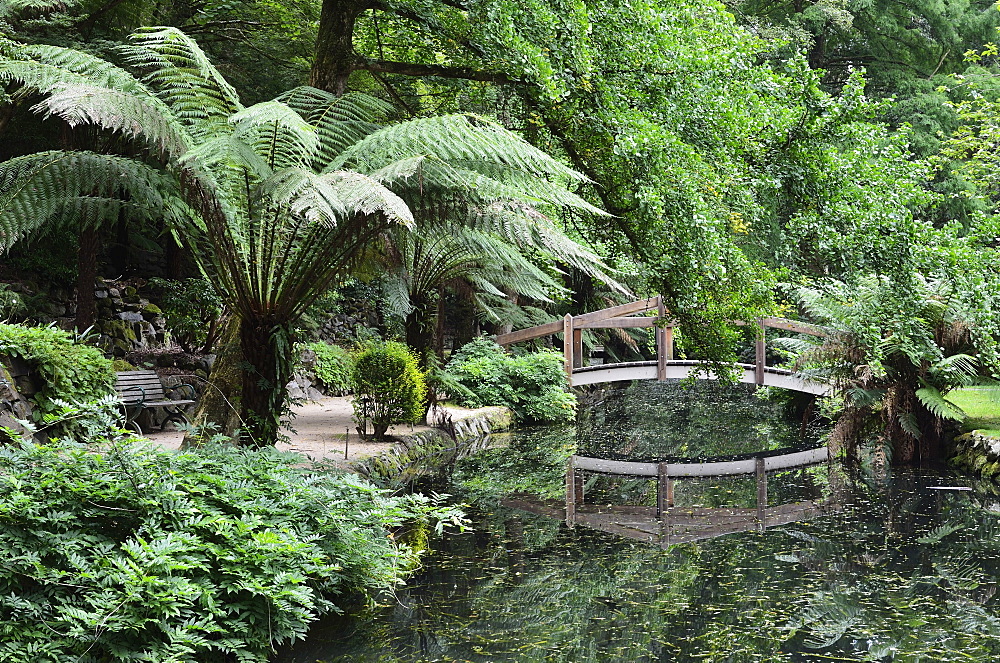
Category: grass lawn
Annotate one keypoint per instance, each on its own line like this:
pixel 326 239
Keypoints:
pixel 982 404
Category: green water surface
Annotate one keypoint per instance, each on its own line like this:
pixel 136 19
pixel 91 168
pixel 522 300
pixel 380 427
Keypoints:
pixel 900 571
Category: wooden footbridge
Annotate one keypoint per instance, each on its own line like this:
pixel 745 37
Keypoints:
pixel 664 367
pixel 665 523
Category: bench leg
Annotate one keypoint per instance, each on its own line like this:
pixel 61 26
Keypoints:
pixel 173 414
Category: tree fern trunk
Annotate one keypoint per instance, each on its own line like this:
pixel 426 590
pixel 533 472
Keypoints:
pixel 267 354
pixel 219 403
pixel 86 277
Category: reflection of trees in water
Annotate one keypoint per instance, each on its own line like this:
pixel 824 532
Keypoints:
pixel 650 420
pixel 901 569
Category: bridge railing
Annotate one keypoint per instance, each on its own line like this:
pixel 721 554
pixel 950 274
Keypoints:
pixel 621 317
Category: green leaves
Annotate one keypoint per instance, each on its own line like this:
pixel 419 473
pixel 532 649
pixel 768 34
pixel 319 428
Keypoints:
pixel 533 385
pixel 66 369
pixel 142 554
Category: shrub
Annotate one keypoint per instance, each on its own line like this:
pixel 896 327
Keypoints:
pixel 533 385
pixel 388 387
pixel 216 555
pixel 192 309
pixel 68 370
pixel 333 368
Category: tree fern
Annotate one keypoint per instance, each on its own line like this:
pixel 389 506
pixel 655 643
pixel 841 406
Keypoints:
pixel 278 200
pixel 37 188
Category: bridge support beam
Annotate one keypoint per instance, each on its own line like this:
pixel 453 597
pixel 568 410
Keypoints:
pixel 760 352
pixel 664 489
pixel 568 345
pixel 761 472
pixel 661 342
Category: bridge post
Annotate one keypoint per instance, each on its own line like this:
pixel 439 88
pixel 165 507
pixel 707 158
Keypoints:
pixel 761 473
pixel 577 348
pixel 664 489
pixel 664 345
pixel 760 353
pixel 568 345
pixel 571 497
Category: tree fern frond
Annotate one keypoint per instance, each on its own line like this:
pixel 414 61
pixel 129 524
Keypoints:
pixel 331 196
pixel 938 405
pixel 133 116
pixel 183 76
pixel 277 133
pixel 340 121
pixel 41 68
pixel 452 138
pixel 959 369
pixel 36 187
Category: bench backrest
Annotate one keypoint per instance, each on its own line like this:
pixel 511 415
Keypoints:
pixel 149 381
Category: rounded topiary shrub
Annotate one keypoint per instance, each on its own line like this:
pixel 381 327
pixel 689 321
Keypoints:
pixel 388 387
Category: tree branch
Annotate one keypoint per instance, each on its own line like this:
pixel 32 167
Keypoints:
pixel 409 69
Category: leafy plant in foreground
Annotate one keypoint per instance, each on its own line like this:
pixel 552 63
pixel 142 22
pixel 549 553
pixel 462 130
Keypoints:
pixel 137 553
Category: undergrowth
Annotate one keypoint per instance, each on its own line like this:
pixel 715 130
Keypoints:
pixel 134 553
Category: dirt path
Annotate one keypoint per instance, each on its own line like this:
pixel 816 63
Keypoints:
pixel 320 428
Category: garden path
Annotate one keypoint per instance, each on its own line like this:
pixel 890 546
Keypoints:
pixel 320 427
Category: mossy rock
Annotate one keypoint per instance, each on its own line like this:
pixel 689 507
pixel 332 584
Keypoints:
pixel 151 310
pixel 122 365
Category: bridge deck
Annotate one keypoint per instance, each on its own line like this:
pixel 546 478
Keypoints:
pixel 649 370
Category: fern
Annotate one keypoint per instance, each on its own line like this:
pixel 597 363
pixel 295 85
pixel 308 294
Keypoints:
pixel 938 405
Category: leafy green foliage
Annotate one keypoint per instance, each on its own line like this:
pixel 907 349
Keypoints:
pixel 333 368
pixel 67 370
pixel 277 200
pixel 137 553
pixel 388 387
pixel 533 385
pixel 895 350
pixel 192 309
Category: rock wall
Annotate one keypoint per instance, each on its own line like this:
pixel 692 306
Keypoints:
pixel 977 453
pixel 15 386
pixel 355 314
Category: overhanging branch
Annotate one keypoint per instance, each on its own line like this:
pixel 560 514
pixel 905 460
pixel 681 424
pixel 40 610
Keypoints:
pixel 410 69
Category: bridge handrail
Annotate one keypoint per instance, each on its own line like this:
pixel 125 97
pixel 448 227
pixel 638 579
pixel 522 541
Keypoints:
pixel 711 469
pixel 616 317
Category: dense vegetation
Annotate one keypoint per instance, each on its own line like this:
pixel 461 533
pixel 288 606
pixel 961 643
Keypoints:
pixel 136 553
pixel 65 369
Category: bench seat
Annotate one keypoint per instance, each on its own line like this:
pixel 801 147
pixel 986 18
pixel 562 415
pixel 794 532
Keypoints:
pixel 142 390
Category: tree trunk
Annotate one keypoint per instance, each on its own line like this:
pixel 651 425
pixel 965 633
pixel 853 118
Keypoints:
pixel 86 277
pixel 334 60
pixel 220 402
pixel 267 351
pixel 420 330
pixel 464 318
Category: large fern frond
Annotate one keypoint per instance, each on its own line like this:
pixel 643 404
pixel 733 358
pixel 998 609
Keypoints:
pixel 340 121
pixel 81 186
pixel 938 405
pixel 183 77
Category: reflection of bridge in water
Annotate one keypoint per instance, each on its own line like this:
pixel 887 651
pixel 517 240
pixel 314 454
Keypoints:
pixel 666 524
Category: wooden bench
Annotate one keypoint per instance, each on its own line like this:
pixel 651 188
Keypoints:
pixel 142 390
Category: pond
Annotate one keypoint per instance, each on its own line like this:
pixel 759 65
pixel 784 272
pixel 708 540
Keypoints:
pixel 902 567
